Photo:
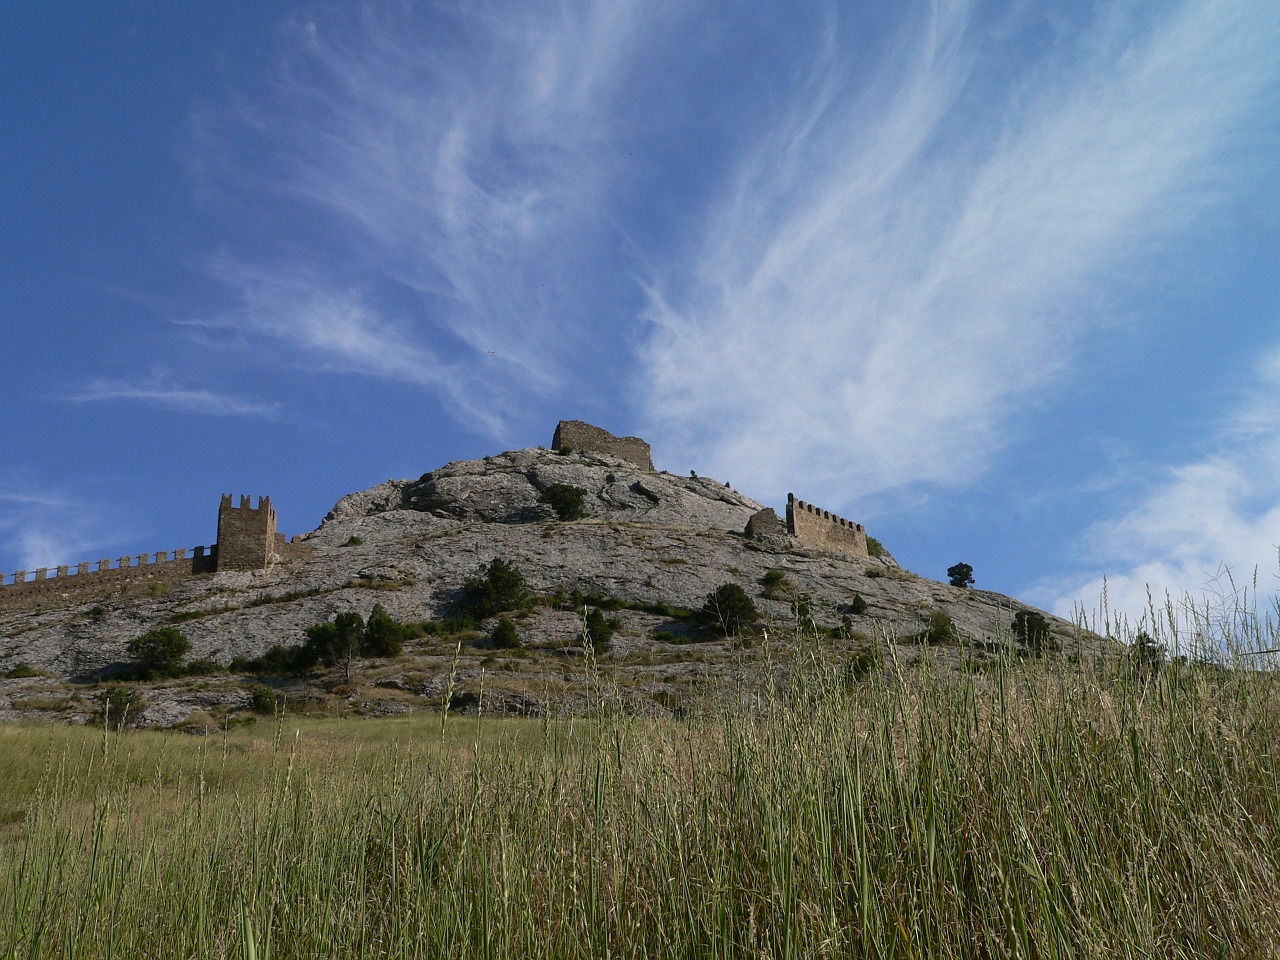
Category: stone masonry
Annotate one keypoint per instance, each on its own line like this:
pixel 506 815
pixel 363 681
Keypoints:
pixel 817 529
pixel 247 540
pixel 581 437
pixel 246 534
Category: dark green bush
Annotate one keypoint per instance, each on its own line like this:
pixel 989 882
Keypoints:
pixel 875 548
pixel 1032 629
pixel 728 610
pixel 1147 655
pixel 384 636
pixel 497 588
pixel 864 662
pixel 567 501
pixel 960 575
pixel 941 629
pixel 599 631
pixel 201 668
pixel 775 583
pixel 20 671
pixel 505 635
pixel 158 653
pixel 262 699
pixel 335 642
pixel 120 705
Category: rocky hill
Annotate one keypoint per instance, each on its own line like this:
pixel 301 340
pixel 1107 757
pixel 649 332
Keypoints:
pixel 648 547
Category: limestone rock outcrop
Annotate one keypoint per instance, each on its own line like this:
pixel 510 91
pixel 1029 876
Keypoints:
pixel 508 488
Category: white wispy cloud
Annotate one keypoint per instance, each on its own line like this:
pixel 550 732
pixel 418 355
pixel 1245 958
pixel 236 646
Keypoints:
pixel 162 392
pixel 43 529
pixel 1214 524
pixel 904 263
pixel 457 159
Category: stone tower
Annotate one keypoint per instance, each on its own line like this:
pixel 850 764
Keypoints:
pixel 581 437
pixel 246 534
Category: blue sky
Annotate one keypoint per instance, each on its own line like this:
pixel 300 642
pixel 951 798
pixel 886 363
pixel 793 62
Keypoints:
pixel 998 280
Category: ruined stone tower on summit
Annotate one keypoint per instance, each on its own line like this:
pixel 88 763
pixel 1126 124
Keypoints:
pixel 578 436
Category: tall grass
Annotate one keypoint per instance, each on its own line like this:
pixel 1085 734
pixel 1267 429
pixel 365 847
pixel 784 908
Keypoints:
pixel 1035 809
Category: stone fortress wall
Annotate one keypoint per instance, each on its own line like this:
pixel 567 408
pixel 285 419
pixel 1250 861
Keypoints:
pixel 581 437
pixel 818 529
pixel 247 540
pixel 68 585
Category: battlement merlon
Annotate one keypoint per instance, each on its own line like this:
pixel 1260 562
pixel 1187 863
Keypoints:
pixel 820 529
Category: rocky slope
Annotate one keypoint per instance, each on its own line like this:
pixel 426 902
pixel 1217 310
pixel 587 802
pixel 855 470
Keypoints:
pixel 649 541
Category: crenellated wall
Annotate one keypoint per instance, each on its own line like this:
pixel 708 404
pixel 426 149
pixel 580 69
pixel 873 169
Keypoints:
pixel 247 540
pixel 818 529
pixel 581 437
pixel 67 585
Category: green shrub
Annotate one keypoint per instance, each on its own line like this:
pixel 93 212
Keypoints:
pixel 497 588
pixel 384 636
pixel 775 583
pixel 1032 629
pixel 20 671
pixel 354 541
pixel 277 659
pixel 565 500
pixel 505 635
pixel 599 631
pixel 728 610
pixel 941 629
pixel 262 699
pixel 120 705
pixel 960 575
pixel 201 668
pixel 1147 655
pixel 875 548
pixel 159 652
pixel 864 662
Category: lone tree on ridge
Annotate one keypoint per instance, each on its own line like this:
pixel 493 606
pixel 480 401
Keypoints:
pixel 960 575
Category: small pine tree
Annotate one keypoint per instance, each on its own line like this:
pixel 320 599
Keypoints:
pixel 1032 629
pixel 567 501
pixel 333 642
pixel 505 636
pixel 159 652
pixel 728 610
pixel 1148 656
pixel 599 632
pixel 775 584
pixel 496 588
pixel 941 629
pixel 120 704
pixel 384 636
pixel 960 575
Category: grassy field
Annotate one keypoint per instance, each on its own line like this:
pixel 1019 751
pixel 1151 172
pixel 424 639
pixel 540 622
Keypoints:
pixel 1039 808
